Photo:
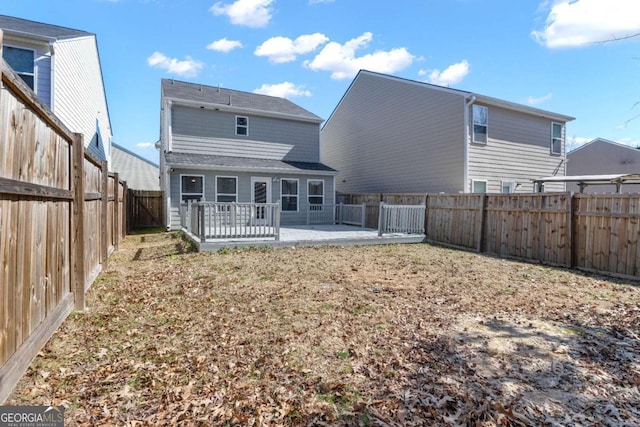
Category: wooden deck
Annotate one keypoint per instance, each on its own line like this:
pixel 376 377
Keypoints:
pixel 314 235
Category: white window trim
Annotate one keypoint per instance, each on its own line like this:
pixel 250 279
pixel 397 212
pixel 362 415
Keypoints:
pixel 297 195
pixel 473 125
pixel 226 194
pixel 35 69
pixel 486 185
pixel 511 184
pixel 309 195
pixel 240 126
pixel 202 199
pixel 554 138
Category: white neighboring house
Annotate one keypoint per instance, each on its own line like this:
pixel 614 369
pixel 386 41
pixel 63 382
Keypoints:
pixel 62 66
pixel 138 172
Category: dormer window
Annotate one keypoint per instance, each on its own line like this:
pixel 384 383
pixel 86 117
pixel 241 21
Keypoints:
pixel 242 125
pixel 21 60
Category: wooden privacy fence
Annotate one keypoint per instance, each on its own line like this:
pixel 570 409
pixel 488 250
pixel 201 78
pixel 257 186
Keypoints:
pixel 594 232
pixel 145 209
pixel 372 203
pixel 61 213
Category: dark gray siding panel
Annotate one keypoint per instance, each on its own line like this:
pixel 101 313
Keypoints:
pixel 396 137
pixel 206 131
pixel 244 191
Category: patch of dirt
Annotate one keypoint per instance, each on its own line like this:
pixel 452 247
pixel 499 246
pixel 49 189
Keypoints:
pixel 373 335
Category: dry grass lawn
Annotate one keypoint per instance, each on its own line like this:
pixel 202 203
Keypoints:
pixel 384 335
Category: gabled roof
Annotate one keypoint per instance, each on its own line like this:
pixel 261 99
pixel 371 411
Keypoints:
pixel 485 100
pixel 233 100
pixel 604 141
pixel 25 27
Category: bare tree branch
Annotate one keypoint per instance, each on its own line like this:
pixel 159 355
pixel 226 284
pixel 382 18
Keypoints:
pixel 615 39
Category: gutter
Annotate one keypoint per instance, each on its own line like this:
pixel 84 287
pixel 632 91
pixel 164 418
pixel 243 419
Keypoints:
pixel 468 101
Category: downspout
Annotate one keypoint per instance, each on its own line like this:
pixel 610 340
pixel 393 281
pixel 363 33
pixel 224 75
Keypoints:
pixel 51 76
pixel 468 102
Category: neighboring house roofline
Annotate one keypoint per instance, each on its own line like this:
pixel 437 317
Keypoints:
pixel 234 109
pixel 617 144
pixel 487 100
pixel 121 148
pixel 34 29
pixel 482 99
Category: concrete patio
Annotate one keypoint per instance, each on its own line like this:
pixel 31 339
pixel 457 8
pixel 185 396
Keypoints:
pixel 314 235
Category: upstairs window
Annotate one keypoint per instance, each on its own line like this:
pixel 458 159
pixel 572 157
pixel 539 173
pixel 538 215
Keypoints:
pixel 226 189
pixel 316 195
pixel 289 195
pixel 21 60
pixel 480 124
pixel 191 187
pixel 242 125
pixel 556 138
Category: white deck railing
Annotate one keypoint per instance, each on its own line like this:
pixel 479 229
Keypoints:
pixel 401 219
pixel 211 220
pixel 337 214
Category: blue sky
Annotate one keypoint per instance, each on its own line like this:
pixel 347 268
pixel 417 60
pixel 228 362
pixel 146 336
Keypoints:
pixel 544 53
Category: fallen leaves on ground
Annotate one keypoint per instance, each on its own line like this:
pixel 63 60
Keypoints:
pixel 398 335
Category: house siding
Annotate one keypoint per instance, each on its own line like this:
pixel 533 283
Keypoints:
pixel 268 138
pixel 518 149
pixel 244 191
pixel 602 157
pixel 391 136
pixel 78 82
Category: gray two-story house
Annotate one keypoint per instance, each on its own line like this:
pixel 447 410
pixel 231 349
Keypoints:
pixel 393 135
pixel 62 66
pixel 223 145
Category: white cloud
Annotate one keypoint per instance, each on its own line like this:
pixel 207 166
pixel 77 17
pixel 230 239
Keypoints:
pixel 533 100
pixel 187 68
pixel 145 145
pixel 451 75
pixel 224 45
pixel 283 90
pixel 282 49
pixel 342 62
pixel 250 13
pixel 573 23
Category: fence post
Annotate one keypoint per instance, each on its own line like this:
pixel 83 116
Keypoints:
pixel 277 222
pixel 203 233
pixel 116 211
pixel 77 247
pixel 426 215
pixel 363 223
pixel 380 219
pixel 309 215
pixel 481 222
pixel 573 253
pixel 340 212
pixel 104 220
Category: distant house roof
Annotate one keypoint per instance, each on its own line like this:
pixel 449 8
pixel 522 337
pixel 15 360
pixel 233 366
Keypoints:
pixel 138 172
pixel 227 99
pixel 486 100
pixel 31 28
pixel 199 161
pixel 604 141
